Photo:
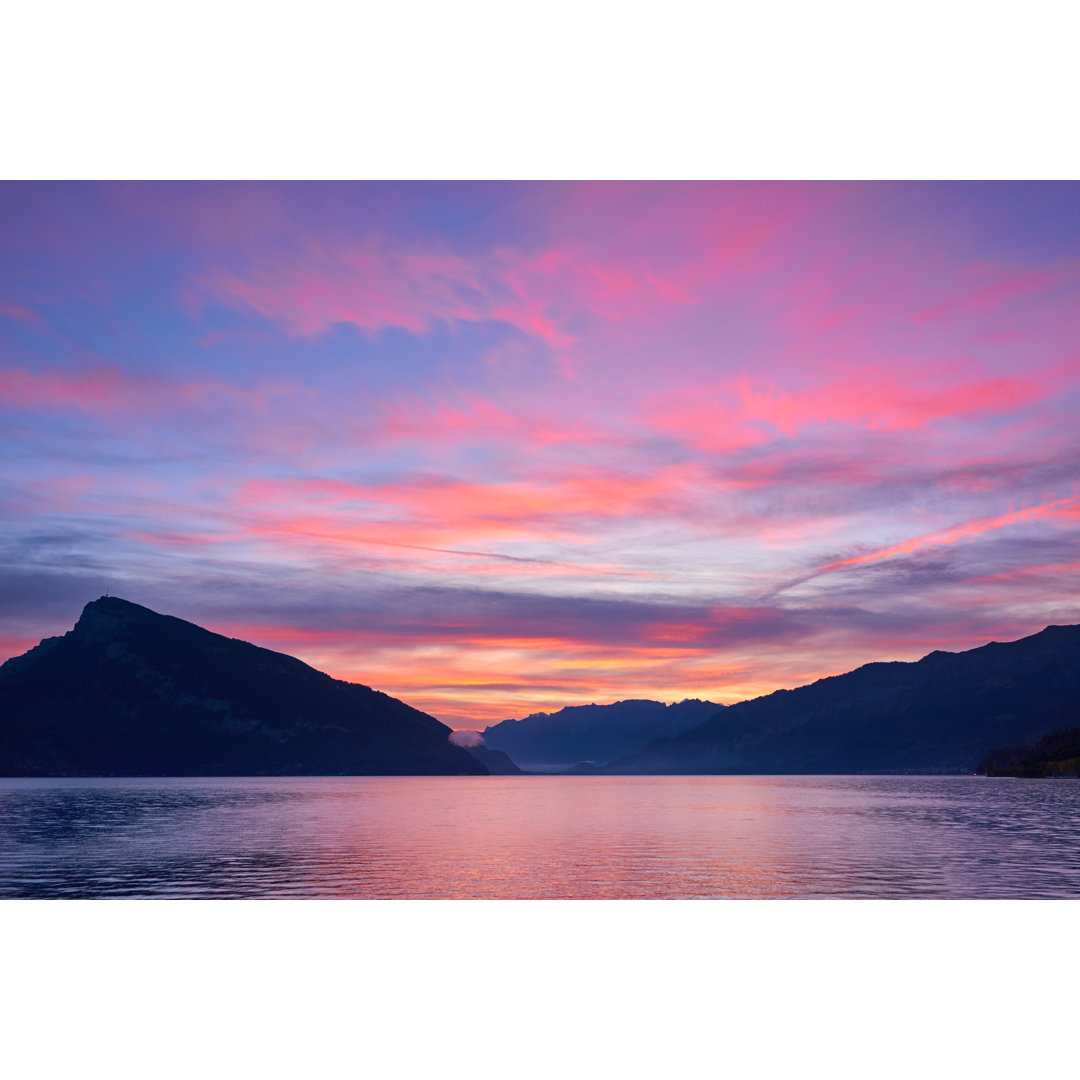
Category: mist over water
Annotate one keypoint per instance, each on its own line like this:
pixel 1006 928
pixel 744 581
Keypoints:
pixel 528 837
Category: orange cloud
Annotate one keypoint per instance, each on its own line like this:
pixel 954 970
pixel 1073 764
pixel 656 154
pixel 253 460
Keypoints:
pixel 440 512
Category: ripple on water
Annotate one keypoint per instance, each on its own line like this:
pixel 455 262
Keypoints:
pixel 541 837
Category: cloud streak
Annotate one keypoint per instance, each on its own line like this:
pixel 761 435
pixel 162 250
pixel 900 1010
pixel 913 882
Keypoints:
pixel 1067 510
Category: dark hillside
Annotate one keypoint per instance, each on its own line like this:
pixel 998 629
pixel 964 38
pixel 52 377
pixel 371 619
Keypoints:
pixel 940 714
pixel 129 692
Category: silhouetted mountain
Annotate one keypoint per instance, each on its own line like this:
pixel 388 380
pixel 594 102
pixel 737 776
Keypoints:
pixel 130 692
pixel 940 714
pixel 495 761
pixel 592 733
pixel 1056 754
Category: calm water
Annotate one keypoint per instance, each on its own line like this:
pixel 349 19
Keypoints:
pixel 541 837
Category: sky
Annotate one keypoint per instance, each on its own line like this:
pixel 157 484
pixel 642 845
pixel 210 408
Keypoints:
pixel 496 448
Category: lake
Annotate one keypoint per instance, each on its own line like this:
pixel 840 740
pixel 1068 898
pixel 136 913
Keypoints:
pixel 532 837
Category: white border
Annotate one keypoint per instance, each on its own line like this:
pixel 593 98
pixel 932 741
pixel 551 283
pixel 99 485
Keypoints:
pixel 571 89
pixel 536 989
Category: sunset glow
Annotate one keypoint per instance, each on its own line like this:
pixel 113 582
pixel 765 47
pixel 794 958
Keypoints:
pixel 496 448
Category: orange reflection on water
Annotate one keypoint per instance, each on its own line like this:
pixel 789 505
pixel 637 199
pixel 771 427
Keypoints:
pixel 558 838
pixel 540 837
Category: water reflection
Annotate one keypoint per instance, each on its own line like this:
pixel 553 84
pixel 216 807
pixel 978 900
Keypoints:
pixel 541 837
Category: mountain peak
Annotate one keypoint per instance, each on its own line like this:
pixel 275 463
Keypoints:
pixel 109 618
pixel 102 615
pixel 131 692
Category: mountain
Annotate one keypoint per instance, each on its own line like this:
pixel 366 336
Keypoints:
pixel 940 714
pixel 1056 754
pixel 495 761
pixel 549 742
pixel 129 692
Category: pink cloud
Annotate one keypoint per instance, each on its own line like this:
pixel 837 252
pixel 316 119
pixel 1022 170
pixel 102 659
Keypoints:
pixel 375 289
pixel 881 398
pixel 1067 509
pixel 727 416
pixel 1030 575
pixel 995 287
pixel 106 389
pixel 439 512
pixel 469 417
pixel 103 388
pixel 17 311
pixel 189 538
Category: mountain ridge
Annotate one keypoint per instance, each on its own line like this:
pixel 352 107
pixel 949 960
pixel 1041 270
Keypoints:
pixel 940 713
pixel 129 691
pixel 562 739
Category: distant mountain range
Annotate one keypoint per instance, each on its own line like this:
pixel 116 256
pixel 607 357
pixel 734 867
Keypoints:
pixel 555 742
pixel 940 714
pixel 129 692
